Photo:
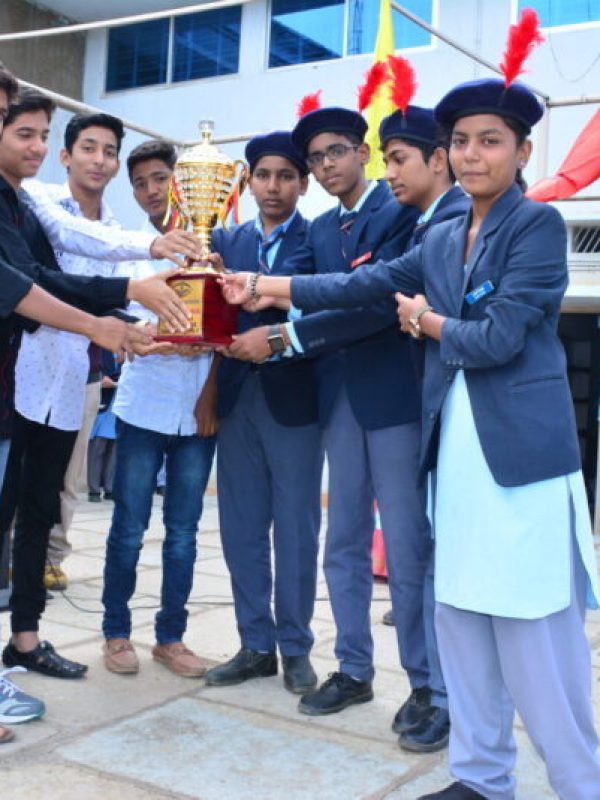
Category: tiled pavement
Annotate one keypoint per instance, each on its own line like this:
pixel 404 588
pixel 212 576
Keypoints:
pixel 158 736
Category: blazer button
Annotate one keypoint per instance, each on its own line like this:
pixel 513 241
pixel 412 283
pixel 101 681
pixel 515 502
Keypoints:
pixel 432 415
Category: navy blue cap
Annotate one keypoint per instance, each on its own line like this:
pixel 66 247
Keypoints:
pixel 417 125
pixel 278 143
pixel 489 96
pixel 328 120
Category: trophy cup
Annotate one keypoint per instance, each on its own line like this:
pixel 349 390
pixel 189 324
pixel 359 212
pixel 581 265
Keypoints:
pixel 204 183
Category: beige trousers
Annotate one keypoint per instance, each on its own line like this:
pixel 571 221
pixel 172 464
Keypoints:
pixel 59 546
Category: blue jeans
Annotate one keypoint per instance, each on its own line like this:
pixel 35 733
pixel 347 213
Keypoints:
pixel 140 454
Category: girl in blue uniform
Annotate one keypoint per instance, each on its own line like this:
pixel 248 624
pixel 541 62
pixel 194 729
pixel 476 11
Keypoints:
pixel 515 564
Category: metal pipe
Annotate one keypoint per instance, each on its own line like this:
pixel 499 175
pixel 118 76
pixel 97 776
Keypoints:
pixel 574 101
pixel 453 43
pixel 543 144
pixel 81 27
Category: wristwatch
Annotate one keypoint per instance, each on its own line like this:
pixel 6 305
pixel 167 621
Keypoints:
pixel 414 321
pixel 276 340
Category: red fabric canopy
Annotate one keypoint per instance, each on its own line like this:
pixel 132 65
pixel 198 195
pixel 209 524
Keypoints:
pixel 580 168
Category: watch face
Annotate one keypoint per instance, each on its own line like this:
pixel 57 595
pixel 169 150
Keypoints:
pixel 276 343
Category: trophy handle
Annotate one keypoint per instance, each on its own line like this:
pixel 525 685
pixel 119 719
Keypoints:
pixel 241 177
pixel 176 215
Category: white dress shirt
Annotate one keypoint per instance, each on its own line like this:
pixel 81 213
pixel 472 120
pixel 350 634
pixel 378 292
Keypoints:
pixel 159 393
pixel 52 366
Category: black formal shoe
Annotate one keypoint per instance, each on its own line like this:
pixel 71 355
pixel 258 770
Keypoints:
pixel 108 496
pixel 43 659
pixel 335 694
pixel 244 665
pixel 94 497
pixel 431 734
pixel 298 675
pixel 457 791
pixel 412 711
pixel 388 617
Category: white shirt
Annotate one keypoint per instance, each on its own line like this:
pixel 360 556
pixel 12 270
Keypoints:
pixel 52 366
pixel 159 393
pixel 99 239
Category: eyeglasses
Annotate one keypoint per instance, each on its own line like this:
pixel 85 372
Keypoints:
pixel 334 152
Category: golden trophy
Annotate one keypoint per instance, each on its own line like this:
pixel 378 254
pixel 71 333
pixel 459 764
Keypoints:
pixel 205 182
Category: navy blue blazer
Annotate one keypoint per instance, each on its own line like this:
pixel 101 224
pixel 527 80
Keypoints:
pixel 515 366
pixel 362 349
pixel 455 203
pixel 289 385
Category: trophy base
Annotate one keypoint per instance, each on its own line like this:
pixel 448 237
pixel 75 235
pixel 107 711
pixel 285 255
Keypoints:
pixel 213 321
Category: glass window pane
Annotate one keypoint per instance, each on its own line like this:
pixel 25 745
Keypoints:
pixel 363 21
pixel 137 55
pixel 207 44
pixel 563 12
pixel 306 30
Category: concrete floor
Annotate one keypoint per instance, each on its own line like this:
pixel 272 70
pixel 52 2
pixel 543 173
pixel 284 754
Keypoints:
pixel 155 735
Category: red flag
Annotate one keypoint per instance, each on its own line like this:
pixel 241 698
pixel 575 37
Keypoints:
pixel 580 167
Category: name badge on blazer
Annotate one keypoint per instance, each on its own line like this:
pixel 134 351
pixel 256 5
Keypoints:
pixel 481 291
pixel 361 260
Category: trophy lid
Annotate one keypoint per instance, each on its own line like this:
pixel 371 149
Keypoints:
pixel 205 152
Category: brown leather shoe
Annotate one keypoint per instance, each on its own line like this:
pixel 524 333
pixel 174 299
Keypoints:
pixel 6 735
pixel 180 660
pixel 120 657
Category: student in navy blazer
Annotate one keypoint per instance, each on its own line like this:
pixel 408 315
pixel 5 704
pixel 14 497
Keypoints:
pixel 269 458
pixel 515 563
pixel 363 364
pixel 415 154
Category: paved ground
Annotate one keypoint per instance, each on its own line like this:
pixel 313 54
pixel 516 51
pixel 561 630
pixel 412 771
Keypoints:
pixel 158 736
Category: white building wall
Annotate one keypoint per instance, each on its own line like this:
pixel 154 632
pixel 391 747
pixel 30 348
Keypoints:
pixel 258 99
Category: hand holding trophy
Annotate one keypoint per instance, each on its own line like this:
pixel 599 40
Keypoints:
pixel 203 185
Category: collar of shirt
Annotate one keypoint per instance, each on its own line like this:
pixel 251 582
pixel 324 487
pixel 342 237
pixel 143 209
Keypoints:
pixel 427 215
pixel 280 230
pixel 371 186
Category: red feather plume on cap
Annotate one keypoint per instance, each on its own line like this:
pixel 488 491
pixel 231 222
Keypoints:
pixel 522 38
pixel 310 102
pixel 374 78
pixel 404 82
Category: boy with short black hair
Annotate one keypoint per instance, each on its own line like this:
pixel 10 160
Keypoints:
pixel 269 454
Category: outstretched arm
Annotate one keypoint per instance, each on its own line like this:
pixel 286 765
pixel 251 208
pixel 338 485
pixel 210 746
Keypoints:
pixel 365 285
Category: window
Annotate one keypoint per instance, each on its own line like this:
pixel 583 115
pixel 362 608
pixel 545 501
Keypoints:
pixel 363 21
pixel 137 55
pixel 553 13
pixel 203 45
pixel 313 30
pixel 306 30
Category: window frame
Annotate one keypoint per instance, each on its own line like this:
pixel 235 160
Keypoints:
pixel 420 48
pixel 567 27
pixel 169 83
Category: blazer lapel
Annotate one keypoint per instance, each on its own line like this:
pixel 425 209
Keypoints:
pixel 454 262
pixel 494 218
pixel 289 243
pixel 371 206
pixel 248 245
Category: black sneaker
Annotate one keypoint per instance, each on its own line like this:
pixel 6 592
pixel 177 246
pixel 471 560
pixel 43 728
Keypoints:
pixel 431 734
pixel 412 711
pixel 244 665
pixel 457 791
pixel 298 675
pixel 335 694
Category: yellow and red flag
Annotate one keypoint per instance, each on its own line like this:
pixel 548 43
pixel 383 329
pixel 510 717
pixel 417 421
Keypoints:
pixel 381 105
